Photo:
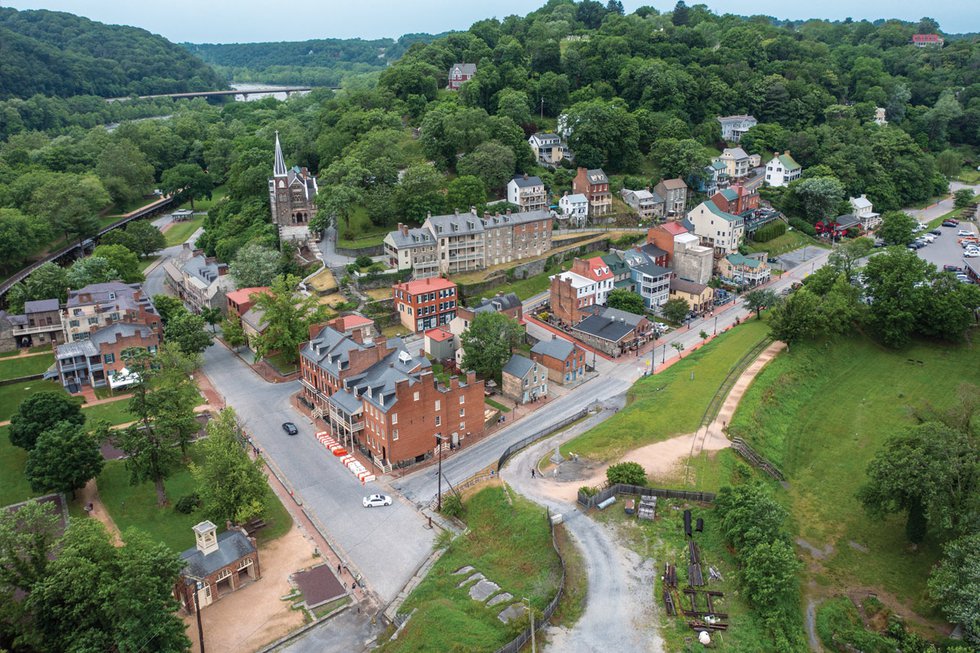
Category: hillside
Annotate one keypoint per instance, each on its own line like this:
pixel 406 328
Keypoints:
pixel 60 54
pixel 317 61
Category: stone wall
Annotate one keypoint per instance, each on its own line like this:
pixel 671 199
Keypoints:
pixel 354 252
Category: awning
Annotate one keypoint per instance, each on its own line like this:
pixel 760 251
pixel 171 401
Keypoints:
pixel 123 378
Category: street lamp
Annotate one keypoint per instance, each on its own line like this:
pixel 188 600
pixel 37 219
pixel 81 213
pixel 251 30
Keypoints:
pixel 530 612
pixel 716 325
pixel 439 444
pixel 198 586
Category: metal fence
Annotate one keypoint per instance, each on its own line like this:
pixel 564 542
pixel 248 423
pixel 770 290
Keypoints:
pixel 524 637
pixel 537 435
pixel 587 501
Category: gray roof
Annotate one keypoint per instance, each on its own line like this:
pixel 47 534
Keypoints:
pixel 199 267
pixel 465 68
pixel 116 293
pixel 347 402
pixel 604 328
pixel 518 366
pixel 556 348
pixel 623 316
pixel 846 221
pixel 497 304
pixel 255 318
pixel 524 181
pixel 232 546
pixel 512 219
pixel 653 251
pixel 736 152
pixel 596 176
pixel 455 224
pixel 376 385
pixel 330 350
pixel 77 348
pixel 419 237
pixel 684 285
pixel 108 334
pixel 41 306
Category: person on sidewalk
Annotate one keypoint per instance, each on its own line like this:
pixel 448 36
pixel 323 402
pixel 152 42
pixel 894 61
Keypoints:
pixel 532 472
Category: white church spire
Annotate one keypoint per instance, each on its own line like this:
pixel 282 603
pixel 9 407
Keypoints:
pixel 279 167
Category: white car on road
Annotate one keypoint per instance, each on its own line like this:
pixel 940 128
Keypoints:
pixel 376 501
pixel 971 253
pixel 964 232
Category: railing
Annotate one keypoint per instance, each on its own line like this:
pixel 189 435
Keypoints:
pixel 755 459
pixel 520 444
pixel 587 501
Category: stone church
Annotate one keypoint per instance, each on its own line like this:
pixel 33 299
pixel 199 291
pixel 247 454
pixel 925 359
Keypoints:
pixel 292 196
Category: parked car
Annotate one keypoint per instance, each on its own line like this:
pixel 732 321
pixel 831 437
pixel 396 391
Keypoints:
pixel 289 428
pixel 963 278
pixel 950 223
pixel 929 239
pixel 936 232
pixel 971 253
pixel 376 501
pixel 953 221
pixel 952 268
pixel 964 232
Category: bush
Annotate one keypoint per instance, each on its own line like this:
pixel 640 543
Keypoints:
pixel 767 232
pixel 452 506
pixel 363 261
pixel 589 490
pixel 628 473
pixel 188 504
pixel 802 225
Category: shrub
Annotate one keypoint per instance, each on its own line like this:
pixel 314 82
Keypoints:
pixel 767 232
pixel 589 490
pixel 802 225
pixel 188 504
pixel 628 473
pixel 363 261
pixel 452 506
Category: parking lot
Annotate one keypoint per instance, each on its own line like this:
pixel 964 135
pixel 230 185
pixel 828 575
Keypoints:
pixel 945 250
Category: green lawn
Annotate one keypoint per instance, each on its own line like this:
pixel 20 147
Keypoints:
pixel 789 241
pixel 181 231
pixel 114 412
pixel 671 402
pixel 204 204
pixel 15 368
pixel 510 543
pixel 148 261
pixel 12 395
pixel 525 288
pixel 820 412
pixel 498 406
pixel 135 506
pixel 14 488
pixel 283 364
pixel 358 230
pixel 663 540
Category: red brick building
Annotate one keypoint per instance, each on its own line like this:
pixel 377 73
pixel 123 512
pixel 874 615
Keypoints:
pixel 239 301
pixel 571 296
pixel 217 565
pixel 564 360
pixel 662 236
pixel 736 199
pixel 594 184
pixel 425 303
pixel 98 361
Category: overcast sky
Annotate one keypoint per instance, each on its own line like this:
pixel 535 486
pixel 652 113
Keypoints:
pixel 231 21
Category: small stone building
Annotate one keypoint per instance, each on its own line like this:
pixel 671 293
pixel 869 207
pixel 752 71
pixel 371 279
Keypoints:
pixel 524 380
pixel 217 565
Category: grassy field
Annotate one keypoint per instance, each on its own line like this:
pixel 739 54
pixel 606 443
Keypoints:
pixel 282 363
pixel 204 204
pixel 147 262
pixel 114 412
pixel 789 241
pixel 12 395
pixel 663 540
pixel 13 486
pixel 525 288
pixel 135 506
pixel 14 368
pixel 671 402
pixel 510 543
pixel 181 231
pixel 363 232
pixel 498 406
pixel 820 412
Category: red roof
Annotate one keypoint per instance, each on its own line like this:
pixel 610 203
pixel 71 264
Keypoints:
pixel 243 295
pixel 348 322
pixel 439 335
pixel 674 228
pixel 425 285
pixel 926 38
pixel 599 269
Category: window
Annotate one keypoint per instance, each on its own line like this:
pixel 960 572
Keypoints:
pixel 93 320
pixel 462 412
pixel 438 420
pixel 416 397
pixel 462 399
pixel 394 434
pixel 109 359
pixel 394 418
pixel 73 324
pixel 438 405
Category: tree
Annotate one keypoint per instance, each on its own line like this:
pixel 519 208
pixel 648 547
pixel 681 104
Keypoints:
pixel 168 307
pixel 125 172
pixel 288 317
pixel 955 585
pixel 759 300
pixel 27 537
pixel 949 162
pixel 769 573
pixel 39 413
pixel 818 197
pixel 186 330
pixel 19 237
pixel 419 192
pixel 122 260
pixel 602 133
pixel 948 310
pixel 232 487
pixel 848 253
pixel 64 459
pixel 232 332
pixel 141 237
pixel 488 342
pixel 963 198
pixel 212 316
pixel 895 285
pixel 681 14
pixel 97 597
pixel 335 203
pixel 466 191
pixel 749 515
pixel 680 158
pixel 514 104
pixel 675 311
pixel 91 269
pixel 71 204
pixel 48 281
pixel 625 300
pixel 186 182
pixel 627 473
pixel 897 228
pixel 163 402
pixel 255 266
pixel 491 161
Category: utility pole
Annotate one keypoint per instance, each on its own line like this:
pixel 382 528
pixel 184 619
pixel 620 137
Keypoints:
pixel 530 612
pixel 198 585
pixel 542 107
pixel 439 444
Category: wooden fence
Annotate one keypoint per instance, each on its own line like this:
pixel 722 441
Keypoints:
pixel 587 501
pixel 742 448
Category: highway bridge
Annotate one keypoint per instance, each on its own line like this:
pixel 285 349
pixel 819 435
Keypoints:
pixel 229 93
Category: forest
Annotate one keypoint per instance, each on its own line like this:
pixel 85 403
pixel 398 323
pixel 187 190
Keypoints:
pixel 60 54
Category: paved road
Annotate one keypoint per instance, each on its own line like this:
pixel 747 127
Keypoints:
pixel 943 206
pixel 154 283
pixel 385 544
pixel 348 631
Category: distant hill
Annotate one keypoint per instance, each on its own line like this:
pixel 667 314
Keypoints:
pixel 317 61
pixel 56 53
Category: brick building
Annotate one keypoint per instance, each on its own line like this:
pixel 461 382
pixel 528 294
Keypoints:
pixel 570 296
pixel 97 360
pixel 412 249
pixel 380 399
pixel 198 280
pixel 424 304
pixel 564 360
pixel 216 565
pixel 100 304
pixel 240 301
pixel 594 184
pixel 736 199
pixel 613 332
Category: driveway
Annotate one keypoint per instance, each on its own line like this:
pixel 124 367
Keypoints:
pixel 386 545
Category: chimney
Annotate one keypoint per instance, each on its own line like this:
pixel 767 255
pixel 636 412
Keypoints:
pixel 456 211
pixel 508 211
pixel 187 246
pixel 428 214
pixel 206 537
pixel 222 269
pixel 525 175
pixel 473 210
pixel 403 228
pixel 786 152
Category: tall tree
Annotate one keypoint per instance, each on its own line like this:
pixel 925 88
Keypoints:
pixel 759 300
pixel 675 310
pixel 71 204
pixel 492 162
pixel 466 191
pixel 139 237
pixel 27 537
pixel 92 269
pixel 125 172
pixel 64 459
pixel 897 228
pixel 19 237
pixel 232 332
pixel 122 260
pixel 895 284
pixel 819 197
pixel 955 585
pixel 232 486
pixel 212 316
pixel 627 301
pixel 40 412
pixel 288 316
pixel 168 307
pixel 487 344
pixel 186 182
pixel 255 266
pixel 798 317
pixel 48 281
pixel 186 331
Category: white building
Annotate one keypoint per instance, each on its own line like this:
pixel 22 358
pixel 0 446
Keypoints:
pixel 863 210
pixel 782 169
pixel 880 117
pixel 716 228
pixel 549 149
pixel 527 193
pixel 574 208
pixel 732 127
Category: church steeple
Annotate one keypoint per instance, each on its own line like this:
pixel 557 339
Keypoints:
pixel 279 167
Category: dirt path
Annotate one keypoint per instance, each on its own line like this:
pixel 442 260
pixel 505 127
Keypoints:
pixel 89 495
pixel 662 459
pixel 250 618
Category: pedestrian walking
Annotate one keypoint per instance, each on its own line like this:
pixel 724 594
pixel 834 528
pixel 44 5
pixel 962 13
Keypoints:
pixel 532 472
pixel 338 567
